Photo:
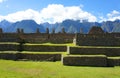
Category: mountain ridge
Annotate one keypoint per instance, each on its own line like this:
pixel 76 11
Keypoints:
pixel 70 26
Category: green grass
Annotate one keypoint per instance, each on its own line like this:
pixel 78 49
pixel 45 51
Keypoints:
pixel 45 44
pixel 29 69
pixel 31 52
pixel 85 55
pixel 96 46
pixel 51 44
pixel 9 43
pixel 118 57
pixel 33 69
pixel 8 51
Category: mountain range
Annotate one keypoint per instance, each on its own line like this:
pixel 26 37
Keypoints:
pixel 70 26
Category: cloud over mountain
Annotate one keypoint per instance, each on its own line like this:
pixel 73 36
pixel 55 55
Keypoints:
pixel 52 13
pixel 23 15
pixel 57 13
pixel 112 16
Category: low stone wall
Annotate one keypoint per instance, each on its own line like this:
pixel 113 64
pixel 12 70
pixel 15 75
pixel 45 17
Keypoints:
pixel 42 57
pixel 40 48
pixel 113 62
pixel 8 56
pixel 9 37
pixel 33 57
pixel 94 51
pixel 87 60
pixel 97 40
pixel 44 48
pixel 61 38
pixel 9 47
pixel 37 37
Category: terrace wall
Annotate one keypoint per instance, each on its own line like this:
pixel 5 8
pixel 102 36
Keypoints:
pixel 33 57
pixel 113 62
pixel 9 37
pixel 37 37
pixel 98 39
pixel 94 51
pixel 85 60
pixel 38 48
pixel 9 47
pixel 44 48
pixel 41 57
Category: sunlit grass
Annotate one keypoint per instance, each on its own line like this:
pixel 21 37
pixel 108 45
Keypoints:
pixel 9 43
pixel 9 52
pixel 30 69
pixel 27 52
pixel 33 69
pixel 118 57
pixel 51 44
pixel 97 46
pixel 46 44
pixel 85 55
pixel 32 52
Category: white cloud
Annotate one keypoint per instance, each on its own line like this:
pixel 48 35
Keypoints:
pixel 58 13
pixel 2 1
pixel 114 13
pixel 52 13
pixel 111 16
pixel 23 15
pixel 102 19
pixel 1 18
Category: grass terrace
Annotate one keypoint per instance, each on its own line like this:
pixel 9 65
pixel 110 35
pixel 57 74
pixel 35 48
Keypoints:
pixel 85 55
pixel 51 44
pixel 97 46
pixel 9 43
pixel 46 69
pixel 114 57
pixel 31 52
pixel 31 69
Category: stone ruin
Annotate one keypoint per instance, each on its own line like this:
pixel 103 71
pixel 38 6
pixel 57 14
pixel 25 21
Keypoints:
pixel 93 49
pixel 96 48
pixel 97 37
pixel 37 37
pixel 96 30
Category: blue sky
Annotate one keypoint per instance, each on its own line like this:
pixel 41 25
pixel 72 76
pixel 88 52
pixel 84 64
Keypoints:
pixel 58 10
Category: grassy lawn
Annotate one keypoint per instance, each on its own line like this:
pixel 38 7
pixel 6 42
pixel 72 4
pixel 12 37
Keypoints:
pixel 30 69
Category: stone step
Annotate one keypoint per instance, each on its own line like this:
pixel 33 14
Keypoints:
pixel 108 51
pixel 113 61
pixel 32 47
pixel 30 56
pixel 90 60
pixel 85 60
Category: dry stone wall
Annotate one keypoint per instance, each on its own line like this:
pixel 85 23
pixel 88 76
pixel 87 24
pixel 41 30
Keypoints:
pixel 9 47
pixel 33 57
pixel 44 48
pixel 113 51
pixel 37 37
pixel 85 61
pixel 97 40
